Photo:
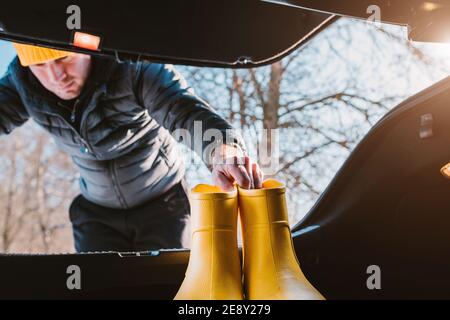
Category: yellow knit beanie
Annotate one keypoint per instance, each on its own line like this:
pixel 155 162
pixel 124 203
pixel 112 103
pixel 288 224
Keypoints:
pixel 29 54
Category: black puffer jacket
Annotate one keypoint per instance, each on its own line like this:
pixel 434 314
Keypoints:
pixel 122 145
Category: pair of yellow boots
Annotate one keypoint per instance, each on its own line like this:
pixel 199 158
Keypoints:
pixel 270 267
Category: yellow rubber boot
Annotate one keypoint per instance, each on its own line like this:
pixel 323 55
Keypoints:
pixel 214 269
pixel 271 269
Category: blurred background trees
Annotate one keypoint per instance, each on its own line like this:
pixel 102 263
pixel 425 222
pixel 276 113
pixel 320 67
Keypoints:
pixel 321 99
pixel 37 185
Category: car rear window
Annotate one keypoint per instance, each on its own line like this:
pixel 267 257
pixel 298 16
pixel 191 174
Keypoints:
pixel 317 104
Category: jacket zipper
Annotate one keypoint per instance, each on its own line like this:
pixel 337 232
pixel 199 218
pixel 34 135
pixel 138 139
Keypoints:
pixel 113 169
pixel 73 114
pixel 112 163
pixel 83 118
pixel 83 130
pixel 73 111
pixel 74 131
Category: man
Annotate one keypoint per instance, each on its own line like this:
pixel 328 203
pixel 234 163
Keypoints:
pixel 115 121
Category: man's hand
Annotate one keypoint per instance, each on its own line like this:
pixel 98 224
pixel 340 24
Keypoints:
pixel 230 165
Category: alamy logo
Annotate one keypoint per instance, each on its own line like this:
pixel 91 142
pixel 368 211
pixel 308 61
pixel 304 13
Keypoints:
pixel 74 20
pixel 74 280
pixel 374 280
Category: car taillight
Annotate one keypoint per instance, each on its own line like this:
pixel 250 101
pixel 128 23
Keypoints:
pixel 86 41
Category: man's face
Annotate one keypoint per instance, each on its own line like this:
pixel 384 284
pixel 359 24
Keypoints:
pixel 64 77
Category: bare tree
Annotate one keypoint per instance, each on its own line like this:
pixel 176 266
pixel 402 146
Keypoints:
pixel 40 185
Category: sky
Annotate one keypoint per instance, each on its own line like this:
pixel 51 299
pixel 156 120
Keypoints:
pixel 7 53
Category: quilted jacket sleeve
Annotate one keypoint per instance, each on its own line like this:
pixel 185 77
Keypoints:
pixel 12 111
pixel 171 102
